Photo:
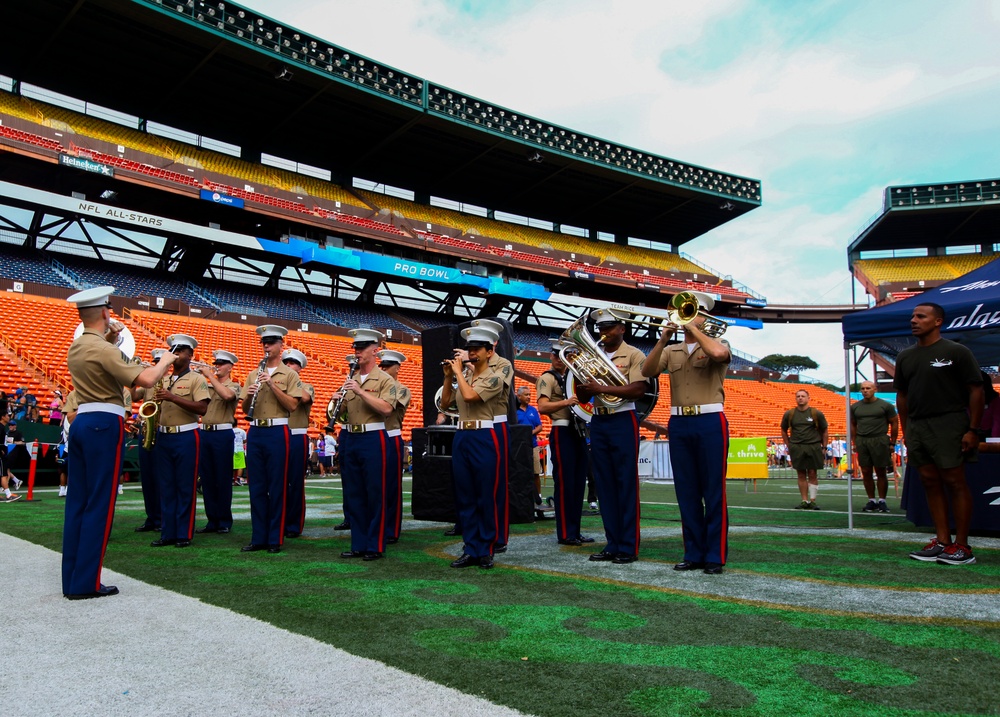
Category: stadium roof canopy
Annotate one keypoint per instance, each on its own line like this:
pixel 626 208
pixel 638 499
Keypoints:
pixel 933 216
pixel 222 71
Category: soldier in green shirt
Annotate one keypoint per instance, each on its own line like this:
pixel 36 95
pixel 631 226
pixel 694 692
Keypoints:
pixel 870 418
pixel 809 433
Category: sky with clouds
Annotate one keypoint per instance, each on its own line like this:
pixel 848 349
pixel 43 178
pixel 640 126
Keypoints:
pixel 826 102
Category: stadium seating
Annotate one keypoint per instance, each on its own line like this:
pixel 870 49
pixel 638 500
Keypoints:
pixel 21 266
pixel 912 269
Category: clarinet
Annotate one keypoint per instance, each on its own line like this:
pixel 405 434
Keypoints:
pixel 253 399
pixel 335 412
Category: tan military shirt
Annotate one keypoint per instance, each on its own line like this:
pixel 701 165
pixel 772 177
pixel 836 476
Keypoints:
pixel 99 369
pixel 220 411
pixel 394 421
pixel 378 383
pixel 72 403
pixel 505 370
pixel 267 405
pixel 695 379
pixel 489 386
pixel 628 360
pixel 300 416
pixel 549 386
pixel 192 386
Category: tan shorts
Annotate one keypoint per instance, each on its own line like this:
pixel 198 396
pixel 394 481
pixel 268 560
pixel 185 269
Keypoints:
pixel 537 454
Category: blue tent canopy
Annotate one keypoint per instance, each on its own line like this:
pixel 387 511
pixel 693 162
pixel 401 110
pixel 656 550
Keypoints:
pixel 972 317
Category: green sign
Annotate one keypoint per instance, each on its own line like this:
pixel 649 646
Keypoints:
pixel 747 458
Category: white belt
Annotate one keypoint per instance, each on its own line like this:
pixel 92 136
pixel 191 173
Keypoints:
pixel 265 422
pixel 177 429
pixel 216 426
pixel 364 427
pixel 299 431
pixel 696 410
pixel 500 419
pixel 561 422
pixel 115 408
pixel 606 411
pixel 394 432
pixel 474 425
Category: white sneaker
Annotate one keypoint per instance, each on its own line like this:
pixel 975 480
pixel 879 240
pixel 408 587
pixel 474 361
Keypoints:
pixel 11 498
pixel 62 491
pixel 17 482
pixel 593 506
pixel 121 489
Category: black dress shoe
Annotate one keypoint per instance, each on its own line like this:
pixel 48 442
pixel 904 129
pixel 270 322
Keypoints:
pixel 602 557
pixel 103 591
pixel 452 532
pixel 352 554
pixel 466 561
pixel 713 569
pixel 147 528
pixel 688 565
pixel 207 529
pixel 585 539
pixel 391 541
pixel 252 548
pixel 372 556
pixel 499 549
pixel 486 562
pixel 161 542
pixel 572 541
pixel 625 558
pixel 274 549
pixel 346 525
pixel 221 531
pixel 291 534
pixel 182 544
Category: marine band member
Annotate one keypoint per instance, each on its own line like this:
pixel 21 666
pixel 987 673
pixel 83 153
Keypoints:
pixel 390 361
pixel 298 449
pixel 147 471
pixel 476 453
pixel 278 391
pixel 99 371
pixel 217 440
pixel 368 401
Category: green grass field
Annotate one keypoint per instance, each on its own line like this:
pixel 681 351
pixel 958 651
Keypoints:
pixel 809 618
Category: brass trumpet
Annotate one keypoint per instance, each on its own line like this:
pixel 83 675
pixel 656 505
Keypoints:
pixel 684 308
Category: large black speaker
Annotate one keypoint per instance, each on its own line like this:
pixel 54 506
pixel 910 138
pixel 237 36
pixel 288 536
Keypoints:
pixel 432 493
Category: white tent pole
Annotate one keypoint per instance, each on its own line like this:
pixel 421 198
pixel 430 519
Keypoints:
pixel 850 454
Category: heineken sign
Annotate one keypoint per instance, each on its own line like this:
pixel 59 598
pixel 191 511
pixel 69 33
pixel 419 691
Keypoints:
pixel 87 165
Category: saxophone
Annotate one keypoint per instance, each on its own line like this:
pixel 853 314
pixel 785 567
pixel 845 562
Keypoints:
pixel 149 412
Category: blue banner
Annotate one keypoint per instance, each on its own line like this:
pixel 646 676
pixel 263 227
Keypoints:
pixel 750 301
pixel 217 198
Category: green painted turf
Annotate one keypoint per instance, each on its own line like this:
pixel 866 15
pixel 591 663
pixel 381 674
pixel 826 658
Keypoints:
pixel 574 646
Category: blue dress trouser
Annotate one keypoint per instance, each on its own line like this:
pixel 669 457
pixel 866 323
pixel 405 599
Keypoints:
pixel 175 456
pixel 363 472
pixel 295 512
pixel 215 463
pixel 614 452
pixel 394 487
pixel 150 488
pixel 95 450
pixel 502 434
pixel 699 452
pixel 267 475
pixel 475 465
pixel 570 459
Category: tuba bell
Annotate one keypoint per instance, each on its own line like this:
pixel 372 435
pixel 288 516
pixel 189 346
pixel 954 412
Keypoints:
pixel 586 360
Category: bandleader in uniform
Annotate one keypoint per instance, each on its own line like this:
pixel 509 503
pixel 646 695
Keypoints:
pixel 217 440
pixel 364 447
pixel 569 450
pixel 699 440
pixel 476 452
pixel 390 361
pixel 175 453
pixel 147 474
pixel 614 443
pixel 298 450
pixel 278 390
pixel 99 371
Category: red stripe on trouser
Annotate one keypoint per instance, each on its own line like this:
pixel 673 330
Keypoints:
pixel 398 528
pixel 284 487
pixel 725 469
pixel 380 542
pixel 638 516
pixel 111 504
pixel 496 484
pixel 194 485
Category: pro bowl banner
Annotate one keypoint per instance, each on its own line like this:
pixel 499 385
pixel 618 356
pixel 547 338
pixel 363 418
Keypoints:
pixel 747 458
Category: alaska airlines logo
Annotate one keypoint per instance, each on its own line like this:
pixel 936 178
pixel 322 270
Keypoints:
pixel 938 363
pixel 969 287
pixel 977 319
